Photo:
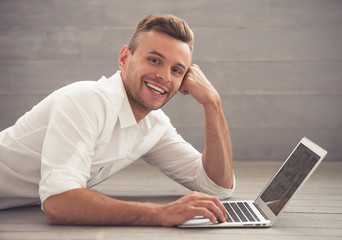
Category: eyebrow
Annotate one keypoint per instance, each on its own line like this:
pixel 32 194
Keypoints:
pixel 154 52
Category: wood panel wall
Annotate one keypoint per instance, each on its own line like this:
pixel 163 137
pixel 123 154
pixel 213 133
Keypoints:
pixel 276 63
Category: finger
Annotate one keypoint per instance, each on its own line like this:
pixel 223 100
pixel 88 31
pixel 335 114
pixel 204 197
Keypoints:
pixel 205 213
pixel 220 207
pixel 215 209
pixel 184 91
pixel 195 65
pixel 211 203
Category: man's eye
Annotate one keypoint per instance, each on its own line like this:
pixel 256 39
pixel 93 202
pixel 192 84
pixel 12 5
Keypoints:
pixel 176 70
pixel 153 60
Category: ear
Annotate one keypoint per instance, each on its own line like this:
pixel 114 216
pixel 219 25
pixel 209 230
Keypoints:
pixel 123 57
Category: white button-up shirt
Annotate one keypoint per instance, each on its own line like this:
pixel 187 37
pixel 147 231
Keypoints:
pixel 82 134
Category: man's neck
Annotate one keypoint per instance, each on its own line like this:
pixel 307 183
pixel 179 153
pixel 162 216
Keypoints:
pixel 139 111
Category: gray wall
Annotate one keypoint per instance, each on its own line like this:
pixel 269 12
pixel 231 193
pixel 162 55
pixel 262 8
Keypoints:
pixel 277 64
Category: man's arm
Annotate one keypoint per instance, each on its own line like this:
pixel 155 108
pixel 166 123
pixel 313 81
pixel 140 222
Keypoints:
pixel 86 207
pixel 217 154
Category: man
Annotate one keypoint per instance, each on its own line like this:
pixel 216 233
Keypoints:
pixel 85 132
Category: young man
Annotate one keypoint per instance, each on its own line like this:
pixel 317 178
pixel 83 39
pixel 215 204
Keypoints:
pixel 87 131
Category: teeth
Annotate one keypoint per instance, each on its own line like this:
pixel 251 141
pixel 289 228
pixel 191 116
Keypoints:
pixel 157 89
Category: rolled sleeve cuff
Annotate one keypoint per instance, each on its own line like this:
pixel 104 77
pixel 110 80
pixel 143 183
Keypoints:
pixel 206 185
pixel 56 182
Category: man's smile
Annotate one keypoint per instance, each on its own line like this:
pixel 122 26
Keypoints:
pixel 155 88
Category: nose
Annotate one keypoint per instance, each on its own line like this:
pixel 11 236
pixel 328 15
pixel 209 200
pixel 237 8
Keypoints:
pixel 163 75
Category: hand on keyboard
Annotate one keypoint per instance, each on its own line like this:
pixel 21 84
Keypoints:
pixel 192 205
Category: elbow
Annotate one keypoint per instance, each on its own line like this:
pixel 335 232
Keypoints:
pixel 52 212
pixel 228 191
pixel 50 219
pixel 225 194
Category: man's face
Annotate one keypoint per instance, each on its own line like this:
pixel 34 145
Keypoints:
pixel 154 73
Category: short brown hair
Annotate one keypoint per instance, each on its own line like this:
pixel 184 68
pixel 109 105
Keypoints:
pixel 164 23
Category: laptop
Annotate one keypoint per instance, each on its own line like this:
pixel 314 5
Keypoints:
pixel 265 210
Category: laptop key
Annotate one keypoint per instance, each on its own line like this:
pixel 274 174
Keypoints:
pixel 231 213
pixel 238 212
pixel 245 211
pixel 251 211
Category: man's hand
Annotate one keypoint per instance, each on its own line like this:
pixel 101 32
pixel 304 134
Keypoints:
pixel 190 206
pixel 198 86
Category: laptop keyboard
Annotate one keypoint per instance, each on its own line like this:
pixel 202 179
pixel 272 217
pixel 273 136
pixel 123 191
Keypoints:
pixel 241 212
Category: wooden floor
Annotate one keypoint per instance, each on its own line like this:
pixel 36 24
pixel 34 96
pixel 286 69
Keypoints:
pixel 314 213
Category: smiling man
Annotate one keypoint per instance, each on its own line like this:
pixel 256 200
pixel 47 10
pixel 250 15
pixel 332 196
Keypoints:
pixel 87 131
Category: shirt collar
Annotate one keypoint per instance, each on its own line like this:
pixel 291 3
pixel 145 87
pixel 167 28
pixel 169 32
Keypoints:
pixel 126 115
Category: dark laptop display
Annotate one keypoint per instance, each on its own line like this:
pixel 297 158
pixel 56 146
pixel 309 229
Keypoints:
pixel 289 178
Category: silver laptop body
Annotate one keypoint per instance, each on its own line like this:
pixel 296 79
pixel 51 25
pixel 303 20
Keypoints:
pixel 265 210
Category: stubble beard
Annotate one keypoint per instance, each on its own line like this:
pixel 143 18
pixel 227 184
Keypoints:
pixel 135 96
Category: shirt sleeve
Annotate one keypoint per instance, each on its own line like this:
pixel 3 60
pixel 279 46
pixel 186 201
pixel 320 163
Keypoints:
pixel 180 161
pixel 74 123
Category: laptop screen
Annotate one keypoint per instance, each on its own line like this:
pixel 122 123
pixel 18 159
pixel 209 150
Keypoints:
pixel 289 178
